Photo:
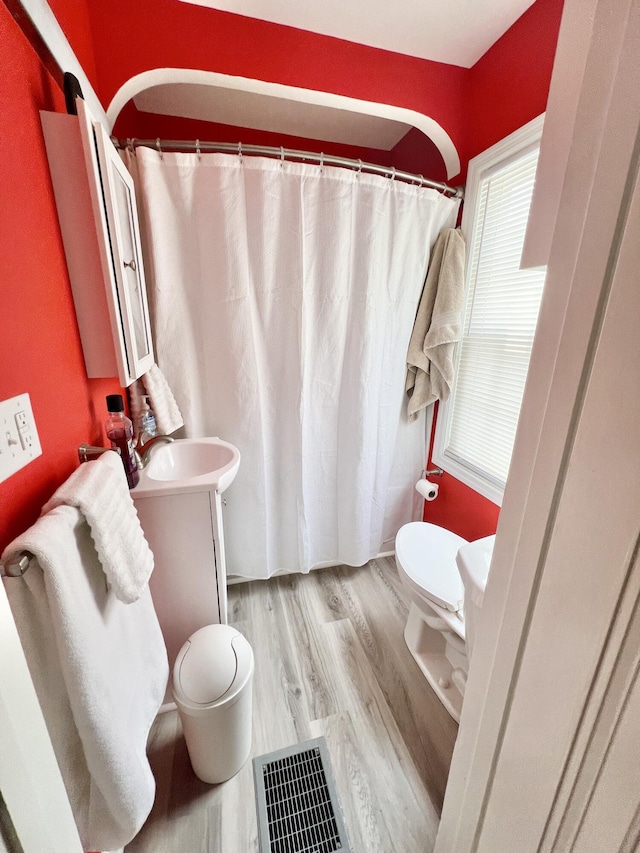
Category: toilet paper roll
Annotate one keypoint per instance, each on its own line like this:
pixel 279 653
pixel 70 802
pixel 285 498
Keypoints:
pixel 429 491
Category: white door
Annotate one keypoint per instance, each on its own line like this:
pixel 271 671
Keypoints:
pixel 547 758
pixel 35 815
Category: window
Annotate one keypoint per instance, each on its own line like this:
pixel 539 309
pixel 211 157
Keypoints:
pixel 476 427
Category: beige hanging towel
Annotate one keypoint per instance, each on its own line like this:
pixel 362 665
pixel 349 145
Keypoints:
pixel 438 324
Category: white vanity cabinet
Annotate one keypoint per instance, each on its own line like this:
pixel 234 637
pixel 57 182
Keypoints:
pixel 188 583
pixel 96 205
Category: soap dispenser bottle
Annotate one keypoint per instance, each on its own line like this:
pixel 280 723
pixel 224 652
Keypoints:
pixel 119 431
pixel 147 422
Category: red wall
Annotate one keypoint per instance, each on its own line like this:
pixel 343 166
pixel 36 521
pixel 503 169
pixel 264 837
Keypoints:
pixel 477 107
pixel 232 44
pixel 39 346
pixel 509 85
pixel 507 88
pixel 458 507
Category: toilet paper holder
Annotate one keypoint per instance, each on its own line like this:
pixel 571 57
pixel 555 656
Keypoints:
pixel 434 472
pixel 427 489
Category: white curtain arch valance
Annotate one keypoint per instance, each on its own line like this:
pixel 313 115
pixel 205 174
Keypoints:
pixel 216 93
pixel 284 296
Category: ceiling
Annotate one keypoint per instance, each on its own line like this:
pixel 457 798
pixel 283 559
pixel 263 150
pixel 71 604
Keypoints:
pixel 457 32
pixel 264 112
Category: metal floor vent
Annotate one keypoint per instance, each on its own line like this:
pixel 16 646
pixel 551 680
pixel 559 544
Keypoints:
pixel 297 803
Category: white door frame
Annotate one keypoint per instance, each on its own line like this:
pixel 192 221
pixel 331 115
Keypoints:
pixel 46 23
pixel 563 586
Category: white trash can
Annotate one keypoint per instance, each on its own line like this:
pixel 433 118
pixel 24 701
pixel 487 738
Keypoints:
pixel 212 680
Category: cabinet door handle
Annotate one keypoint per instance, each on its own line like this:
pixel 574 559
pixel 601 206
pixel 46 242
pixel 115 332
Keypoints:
pixel 131 264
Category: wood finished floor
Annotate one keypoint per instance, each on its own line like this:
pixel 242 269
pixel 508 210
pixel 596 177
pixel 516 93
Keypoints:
pixel 330 660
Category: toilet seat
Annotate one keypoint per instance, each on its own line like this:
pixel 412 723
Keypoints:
pixel 426 554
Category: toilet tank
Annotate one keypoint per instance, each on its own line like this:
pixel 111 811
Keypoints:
pixel 474 562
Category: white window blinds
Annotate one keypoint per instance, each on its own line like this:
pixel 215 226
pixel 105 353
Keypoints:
pixel 502 306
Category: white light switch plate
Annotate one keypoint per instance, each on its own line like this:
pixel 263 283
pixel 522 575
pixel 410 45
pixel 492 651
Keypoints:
pixel 19 442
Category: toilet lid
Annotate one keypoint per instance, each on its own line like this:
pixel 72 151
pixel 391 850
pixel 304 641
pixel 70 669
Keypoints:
pixel 426 554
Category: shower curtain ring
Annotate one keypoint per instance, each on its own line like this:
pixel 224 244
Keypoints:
pixel 130 146
pixel 359 172
pixel 321 161
pixel 393 173
pixel 198 148
pixel 158 147
pixel 281 157
pixel 240 151
pixel 421 181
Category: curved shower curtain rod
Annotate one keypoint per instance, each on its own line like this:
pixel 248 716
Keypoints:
pixel 289 154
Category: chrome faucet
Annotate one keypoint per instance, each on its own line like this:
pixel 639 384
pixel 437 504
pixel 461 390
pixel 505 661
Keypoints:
pixel 87 452
pixel 143 451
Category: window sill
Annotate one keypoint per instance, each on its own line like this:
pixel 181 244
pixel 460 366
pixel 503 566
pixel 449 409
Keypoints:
pixel 472 478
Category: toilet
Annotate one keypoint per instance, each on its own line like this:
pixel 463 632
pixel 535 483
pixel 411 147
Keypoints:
pixel 446 577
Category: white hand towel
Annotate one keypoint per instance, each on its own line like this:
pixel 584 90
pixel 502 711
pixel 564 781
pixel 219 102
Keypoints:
pixel 100 671
pixel 437 326
pixel 99 490
pixel 167 414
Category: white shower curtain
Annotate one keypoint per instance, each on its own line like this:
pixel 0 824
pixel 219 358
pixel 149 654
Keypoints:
pixel 283 298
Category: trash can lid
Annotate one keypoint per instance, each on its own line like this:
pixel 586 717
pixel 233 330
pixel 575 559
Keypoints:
pixel 216 660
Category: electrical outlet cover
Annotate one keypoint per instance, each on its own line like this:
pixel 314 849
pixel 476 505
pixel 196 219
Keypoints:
pixel 19 440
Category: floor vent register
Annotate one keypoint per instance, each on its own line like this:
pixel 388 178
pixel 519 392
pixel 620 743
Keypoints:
pixel 297 803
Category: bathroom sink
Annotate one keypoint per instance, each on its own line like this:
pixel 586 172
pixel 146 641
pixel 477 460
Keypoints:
pixel 189 464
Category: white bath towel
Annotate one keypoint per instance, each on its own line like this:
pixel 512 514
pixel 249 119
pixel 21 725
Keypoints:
pixel 99 490
pixel 100 671
pixel 438 324
pixel 155 386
